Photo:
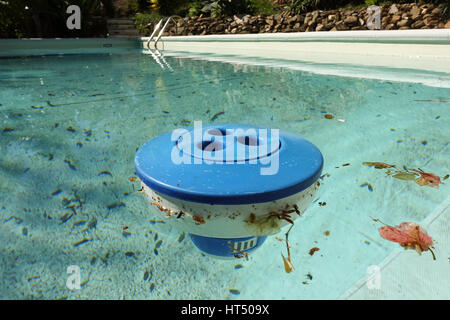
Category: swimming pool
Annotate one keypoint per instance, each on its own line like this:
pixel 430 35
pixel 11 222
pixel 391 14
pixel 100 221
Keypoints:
pixel 70 126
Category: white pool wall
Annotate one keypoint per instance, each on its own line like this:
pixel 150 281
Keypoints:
pixel 412 49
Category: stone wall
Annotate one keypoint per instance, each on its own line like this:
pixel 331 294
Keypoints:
pixel 393 17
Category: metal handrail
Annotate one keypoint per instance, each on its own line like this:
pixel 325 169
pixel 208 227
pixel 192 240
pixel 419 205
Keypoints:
pixel 157 27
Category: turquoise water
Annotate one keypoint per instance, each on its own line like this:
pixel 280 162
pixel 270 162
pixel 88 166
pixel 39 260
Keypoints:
pixel 69 129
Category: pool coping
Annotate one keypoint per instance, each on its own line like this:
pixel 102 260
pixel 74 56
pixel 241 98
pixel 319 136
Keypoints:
pixel 415 36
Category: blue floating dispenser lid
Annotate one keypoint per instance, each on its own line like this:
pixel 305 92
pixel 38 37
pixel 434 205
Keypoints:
pixel 228 164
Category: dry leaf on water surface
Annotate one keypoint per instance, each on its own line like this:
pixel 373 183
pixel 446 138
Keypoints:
pixel 409 235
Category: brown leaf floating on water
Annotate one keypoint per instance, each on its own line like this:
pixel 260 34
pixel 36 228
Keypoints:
pixel 379 165
pixel 405 175
pixel 288 267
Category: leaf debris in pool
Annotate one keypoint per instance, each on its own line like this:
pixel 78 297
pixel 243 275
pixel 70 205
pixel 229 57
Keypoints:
pixel 115 204
pixel 153 221
pixel 79 223
pixel 378 165
pixel 313 250
pixel 238 266
pixel 235 291
pixel 214 117
pixel 105 172
pixel 79 243
pixel 71 165
pixel 148 275
pixel 368 185
pixel 65 217
pixel 181 237
pixel 158 244
pixel 56 192
pixel 93 223
pixel 126 233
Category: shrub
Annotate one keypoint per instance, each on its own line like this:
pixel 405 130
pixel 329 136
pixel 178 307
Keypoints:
pixel 141 20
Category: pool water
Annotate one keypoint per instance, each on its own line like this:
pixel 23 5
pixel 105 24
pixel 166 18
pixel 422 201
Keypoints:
pixel 69 129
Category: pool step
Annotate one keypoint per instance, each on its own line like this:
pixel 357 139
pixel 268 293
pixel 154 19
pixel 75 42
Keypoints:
pixel 121 27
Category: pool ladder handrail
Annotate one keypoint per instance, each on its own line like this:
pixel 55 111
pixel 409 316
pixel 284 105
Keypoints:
pixel 158 26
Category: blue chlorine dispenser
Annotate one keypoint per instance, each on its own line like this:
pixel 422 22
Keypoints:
pixel 229 186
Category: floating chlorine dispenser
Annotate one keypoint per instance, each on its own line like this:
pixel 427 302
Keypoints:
pixel 229 186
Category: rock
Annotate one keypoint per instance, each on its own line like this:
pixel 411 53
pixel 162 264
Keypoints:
pixel 404 23
pixel 320 27
pixel 418 24
pixel 393 9
pixel 340 26
pixel 351 20
pixel 430 21
pixel 220 27
pixel 292 20
pixel 270 21
pixel 315 15
pixel 415 11
pixel 329 25
pixel 436 11
pixel 278 18
pixel 396 18
pixel 238 19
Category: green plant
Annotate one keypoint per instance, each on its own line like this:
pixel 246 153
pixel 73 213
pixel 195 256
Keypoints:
pixel 302 6
pixel 227 8
pixel 141 20
pixel 195 8
pixel 262 6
